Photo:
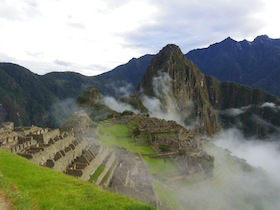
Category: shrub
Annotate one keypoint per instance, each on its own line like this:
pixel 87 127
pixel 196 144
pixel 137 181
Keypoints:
pixel 164 147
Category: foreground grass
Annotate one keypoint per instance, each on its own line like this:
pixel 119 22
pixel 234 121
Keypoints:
pixel 29 186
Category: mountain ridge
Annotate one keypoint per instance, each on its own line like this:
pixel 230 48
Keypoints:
pixel 255 63
pixel 28 98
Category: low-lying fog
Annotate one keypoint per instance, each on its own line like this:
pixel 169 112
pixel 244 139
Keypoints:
pixel 262 153
pixel 234 185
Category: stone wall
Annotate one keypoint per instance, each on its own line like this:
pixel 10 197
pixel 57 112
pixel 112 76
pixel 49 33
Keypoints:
pixel 98 160
pixel 43 136
pixel 6 126
pixel 28 142
pixel 8 138
pixel 132 177
pixel 81 156
pixel 66 159
pixel 49 150
pixel 106 175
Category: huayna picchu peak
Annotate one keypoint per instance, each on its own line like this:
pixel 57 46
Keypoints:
pixel 179 84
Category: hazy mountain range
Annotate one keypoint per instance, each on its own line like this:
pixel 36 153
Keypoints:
pixel 27 98
pixel 255 63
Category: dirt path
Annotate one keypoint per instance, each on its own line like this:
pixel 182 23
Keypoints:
pixel 4 204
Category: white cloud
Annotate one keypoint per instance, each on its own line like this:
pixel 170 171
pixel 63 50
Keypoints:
pixel 192 24
pixel 271 105
pixel 258 153
pixel 62 63
pixel 118 106
pixel 235 111
pixel 164 104
pixel 108 33
pixel 14 10
pixel 120 89
pixel 88 33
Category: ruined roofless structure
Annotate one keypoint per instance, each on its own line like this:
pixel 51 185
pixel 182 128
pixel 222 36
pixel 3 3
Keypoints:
pixel 58 150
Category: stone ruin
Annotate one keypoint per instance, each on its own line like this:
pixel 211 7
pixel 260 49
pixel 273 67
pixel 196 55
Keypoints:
pixel 132 177
pixel 62 151
pixel 78 154
pixel 170 140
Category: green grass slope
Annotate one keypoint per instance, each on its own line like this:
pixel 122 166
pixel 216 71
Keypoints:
pixel 29 186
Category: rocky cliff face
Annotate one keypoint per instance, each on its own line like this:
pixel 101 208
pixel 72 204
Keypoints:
pixel 179 84
pixel 224 95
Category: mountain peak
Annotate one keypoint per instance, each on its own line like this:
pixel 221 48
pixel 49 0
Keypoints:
pixel 229 42
pixel 169 60
pixel 170 49
pixel 178 84
pixel 166 60
pixel 262 37
pixel 229 39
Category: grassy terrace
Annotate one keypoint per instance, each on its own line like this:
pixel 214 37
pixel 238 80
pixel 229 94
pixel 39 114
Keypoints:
pixel 97 173
pixel 29 186
pixel 160 166
pixel 121 135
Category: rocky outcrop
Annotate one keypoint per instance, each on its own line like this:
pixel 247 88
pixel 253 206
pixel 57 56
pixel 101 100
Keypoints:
pixel 185 85
pixel 254 111
pixel 224 95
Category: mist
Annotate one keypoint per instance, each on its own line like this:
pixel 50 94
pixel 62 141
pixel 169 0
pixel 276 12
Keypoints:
pixel 245 175
pixel 118 106
pixel 246 171
pixel 63 109
pixel 120 88
pixel 260 153
pixel 164 105
pixel 271 105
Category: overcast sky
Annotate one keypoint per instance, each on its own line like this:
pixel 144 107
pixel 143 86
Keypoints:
pixel 93 36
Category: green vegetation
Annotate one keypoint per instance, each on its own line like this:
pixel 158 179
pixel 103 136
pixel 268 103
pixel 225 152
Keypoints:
pixel 121 135
pixel 164 147
pixel 97 173
pixel 160 166
pixel 17 199
pixel 136 132
pixel 106 177
pixel 29 186
pixel 89 96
